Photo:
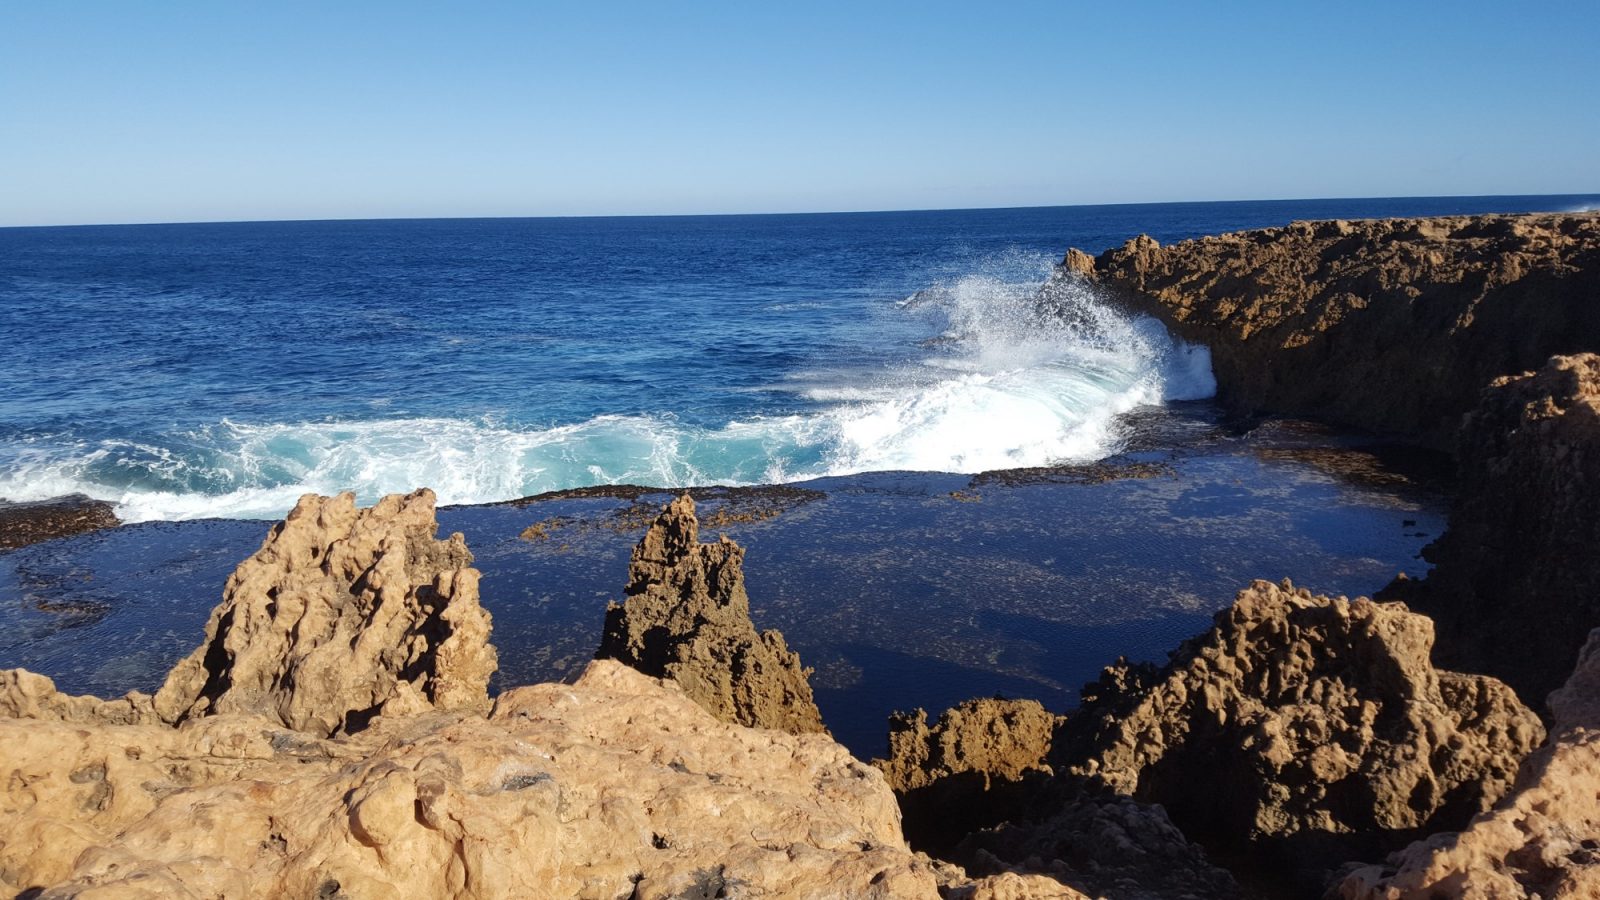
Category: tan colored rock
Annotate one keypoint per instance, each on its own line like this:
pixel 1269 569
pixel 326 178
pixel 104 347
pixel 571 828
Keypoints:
pixel 1391 326
pixel 686 617
pixel 977 766
pixel 1300 717
pixel 1013 886
pixel 1516 580
pixel 616 786
pixel 1542 840
pixel 343 614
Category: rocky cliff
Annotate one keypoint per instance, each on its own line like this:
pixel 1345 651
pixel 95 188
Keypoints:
pixel 1516 578
pixel 1542 840
pixel 1307 727
pixel 1391 326
pixel 685 616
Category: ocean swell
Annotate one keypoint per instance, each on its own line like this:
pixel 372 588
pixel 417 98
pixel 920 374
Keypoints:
pixel 1000 383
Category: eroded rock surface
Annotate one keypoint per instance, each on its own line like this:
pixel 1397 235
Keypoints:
pixel 686 616
pixel 22 524
pixel 1516 579
pixel 1297 720
pixel 343 614
pixel 1392 326
pixel 616 786
pixel 977 766
pixel 1542 840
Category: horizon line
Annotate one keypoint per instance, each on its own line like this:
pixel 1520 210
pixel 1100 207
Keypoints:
pixel 841 212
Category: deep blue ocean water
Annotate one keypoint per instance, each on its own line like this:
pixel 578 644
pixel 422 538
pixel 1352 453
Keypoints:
pixel 206 370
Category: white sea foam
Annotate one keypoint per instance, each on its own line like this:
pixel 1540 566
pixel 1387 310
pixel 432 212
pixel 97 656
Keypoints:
pixel 1011 387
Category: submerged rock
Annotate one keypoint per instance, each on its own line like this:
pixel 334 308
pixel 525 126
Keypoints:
pixel 343 614
pixel 1309 725
pixel 686 616
pixel 1391 326
pixel 1516 578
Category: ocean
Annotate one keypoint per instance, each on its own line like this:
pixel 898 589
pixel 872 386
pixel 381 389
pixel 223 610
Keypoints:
pixel 221 370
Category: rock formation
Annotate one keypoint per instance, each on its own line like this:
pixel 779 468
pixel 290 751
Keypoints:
pixel 1516 581
pixel 977 766
pixel 1298 721
pixel 343 614
pixel 1104 848
pixel 686 617
pixel 1391 326
pixel 616 786
pixel 1542 840
pixel 22 524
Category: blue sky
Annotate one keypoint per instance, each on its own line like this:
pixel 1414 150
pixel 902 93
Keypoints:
pixel 147 112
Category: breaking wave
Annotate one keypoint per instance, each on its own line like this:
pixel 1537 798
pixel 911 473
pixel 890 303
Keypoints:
pixel 1020 370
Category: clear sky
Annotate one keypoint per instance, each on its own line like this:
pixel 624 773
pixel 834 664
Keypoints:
pixel 167 111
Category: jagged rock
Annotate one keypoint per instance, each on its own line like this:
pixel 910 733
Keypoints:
pixel 343 614
pixel 975 767
pixel 1542 840
pixel 1304 724
pixel 1104 848
pixel 1013 886
pixel 686 617
pixel 1516 578
pixel 616 786
pixel 28 695
pixel 22 524
pixel 1390 326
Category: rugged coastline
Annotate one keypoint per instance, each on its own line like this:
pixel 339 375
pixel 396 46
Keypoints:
pixel 1298 742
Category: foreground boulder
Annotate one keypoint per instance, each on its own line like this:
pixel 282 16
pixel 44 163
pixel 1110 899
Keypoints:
pixel 1516 578
pixel 343 614
pixel 686 617
pixel 1542 840
pixel 977 766
pixel 1391 326
pixel 1302 724
pixel 616 786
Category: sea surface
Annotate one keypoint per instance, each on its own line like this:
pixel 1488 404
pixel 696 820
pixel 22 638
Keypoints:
pixel 221 370
pixel 942 495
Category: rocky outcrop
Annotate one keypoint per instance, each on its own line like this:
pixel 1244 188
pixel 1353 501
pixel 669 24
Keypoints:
pixel 1309 725
pixel 1392 326
pixel 977 766
pixel 616 786
pixel 1516 578
pixel 1104 848
pixel 342 615
pixel 22 524
pixel 686 616
pixel 1542 840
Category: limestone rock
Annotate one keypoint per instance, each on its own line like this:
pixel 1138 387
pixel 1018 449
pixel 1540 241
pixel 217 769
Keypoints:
pixel 616 786
pixel 1391 326
pixel 1299 718
pixel 977 766
pixel 686 617
pixel 28 695
pixel 1542 840
pixel 1516 578
pixel 1104 848
pixel 343 614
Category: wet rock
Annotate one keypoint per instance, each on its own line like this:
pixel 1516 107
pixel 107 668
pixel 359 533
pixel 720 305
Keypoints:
pixel 616 786
pixel 1302 730
pixel 1541 840
pixel 686 616
pixel 978 765
pixel 22 524
pixel 1391 326
pixel 1104 848
pixel 1516 578
pixel 342 615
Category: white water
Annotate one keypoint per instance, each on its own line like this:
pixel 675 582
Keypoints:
pixel 1004 388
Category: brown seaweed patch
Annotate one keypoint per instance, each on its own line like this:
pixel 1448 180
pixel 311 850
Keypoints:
pixel 729 506
pixel 1088 473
